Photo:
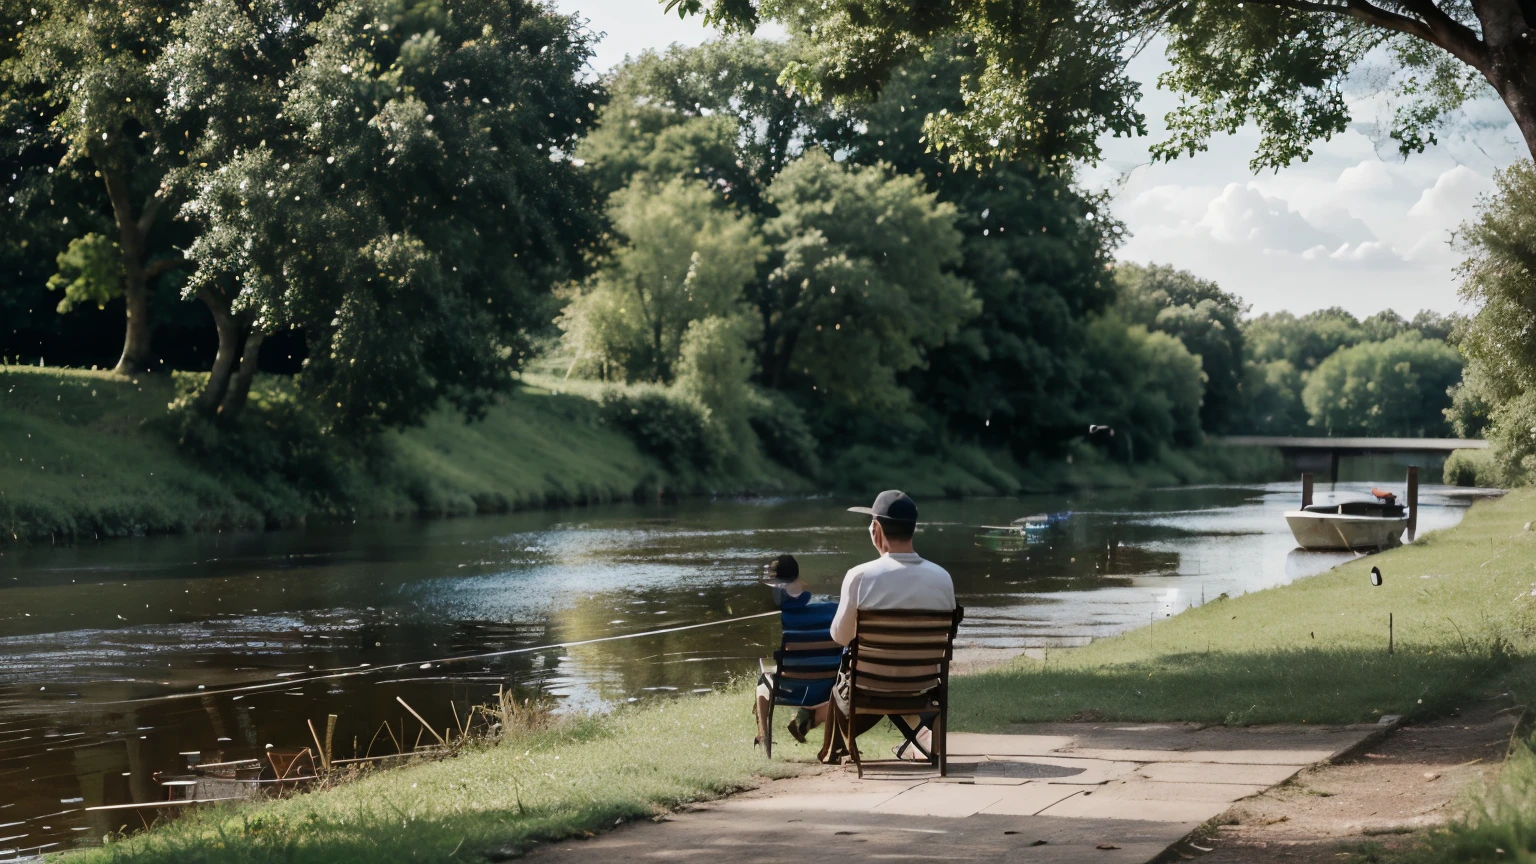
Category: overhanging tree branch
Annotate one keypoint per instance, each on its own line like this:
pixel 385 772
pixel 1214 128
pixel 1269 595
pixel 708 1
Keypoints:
pixel 1434 26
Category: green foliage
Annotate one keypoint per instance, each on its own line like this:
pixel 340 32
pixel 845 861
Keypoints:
pixel 673 429
pixel 1399 387
pixel 715 370
pixel 1499 277
pixel 90 271
pixel 1047 98
pixel 1203 317
pixel 683 258
pixel 1145 385
pixel 783 433
pixel 714 113
pixel 1303 341
pixel 1471 468
pixel 863 288
pixel 280 458
pixel 1050 77
pixel 1272 392
pixel 1036 250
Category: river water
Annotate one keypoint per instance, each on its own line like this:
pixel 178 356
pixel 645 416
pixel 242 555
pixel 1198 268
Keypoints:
pixel 344 619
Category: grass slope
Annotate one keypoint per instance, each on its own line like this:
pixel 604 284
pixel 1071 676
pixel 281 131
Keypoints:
pixel 79 458
pixel 83 455
pixel 1314 650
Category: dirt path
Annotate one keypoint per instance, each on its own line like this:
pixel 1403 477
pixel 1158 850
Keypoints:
pixel 1373 802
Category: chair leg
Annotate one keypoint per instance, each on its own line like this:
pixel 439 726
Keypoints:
pixel 853 748
pixel 940 740
pixel 768 732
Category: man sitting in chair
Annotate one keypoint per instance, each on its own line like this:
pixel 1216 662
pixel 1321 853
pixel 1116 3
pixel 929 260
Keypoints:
pixel 898 579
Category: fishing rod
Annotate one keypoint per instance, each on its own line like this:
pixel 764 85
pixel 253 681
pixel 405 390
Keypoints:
pixel 365 669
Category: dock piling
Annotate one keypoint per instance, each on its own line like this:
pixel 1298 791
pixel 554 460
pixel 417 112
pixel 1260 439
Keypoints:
pixel 1413 500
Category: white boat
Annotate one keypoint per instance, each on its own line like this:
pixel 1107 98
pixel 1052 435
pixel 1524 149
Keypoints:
pixel 1354 526
pixel 1327 531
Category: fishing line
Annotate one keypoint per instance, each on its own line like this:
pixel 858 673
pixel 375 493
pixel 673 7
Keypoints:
pixel 368 670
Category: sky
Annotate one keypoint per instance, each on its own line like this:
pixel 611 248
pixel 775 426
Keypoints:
pixel 1355 226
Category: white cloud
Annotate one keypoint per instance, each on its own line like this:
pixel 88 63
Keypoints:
pixel 1451 198
pixel 1368 177
pixel 1242 214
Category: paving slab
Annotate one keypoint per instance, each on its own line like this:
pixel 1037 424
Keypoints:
pixel 1068 793
pixel 726 838
pixel 969 744
pixel 1029 799
pixel 1233 757
pixel 1092 806
pixel 1206 772
pixel 943 799
pixel 1152 790
pixel 1068 770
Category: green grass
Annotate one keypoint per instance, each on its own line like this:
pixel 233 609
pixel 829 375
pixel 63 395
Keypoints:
pixel 1314 650
pixel 79 457
pixel 586 775
pixel 87 454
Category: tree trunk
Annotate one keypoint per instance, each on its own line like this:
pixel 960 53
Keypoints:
pixel 229 347
pixel 131 233
pixel 240 388
pixel 1516 66
pixel 135 358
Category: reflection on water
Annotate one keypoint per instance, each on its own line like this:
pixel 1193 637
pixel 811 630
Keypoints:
pixel 88 632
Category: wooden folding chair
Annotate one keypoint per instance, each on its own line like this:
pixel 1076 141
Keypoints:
pixel 898 666
pixel 804 666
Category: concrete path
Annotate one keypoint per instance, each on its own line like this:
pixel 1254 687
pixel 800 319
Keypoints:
pixel 1052 793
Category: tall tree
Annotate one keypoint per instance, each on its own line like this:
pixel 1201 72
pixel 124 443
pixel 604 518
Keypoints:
pixel 1500 278
pixel 715 113
pixel 1036 249
pixel 81 96
pixel 1400 387
pixel 681 258
pixel 407 202
pixel 1053 74
pixel 1304 341
pixel 1203 317
pixel 863 289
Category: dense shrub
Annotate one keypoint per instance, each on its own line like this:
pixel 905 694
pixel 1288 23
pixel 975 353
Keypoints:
pixel 1471 468
pixel 667 426
pixel 783 433
pixel 278 455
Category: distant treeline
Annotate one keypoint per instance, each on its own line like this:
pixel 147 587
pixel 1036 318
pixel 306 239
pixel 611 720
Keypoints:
pixel 396 206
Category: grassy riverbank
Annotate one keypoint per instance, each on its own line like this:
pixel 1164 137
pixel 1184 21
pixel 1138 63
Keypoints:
pixel 1463 615
pixel 1312 651
pixel 87 455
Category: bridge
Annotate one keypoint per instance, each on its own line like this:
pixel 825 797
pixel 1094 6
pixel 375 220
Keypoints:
pixel 1337 447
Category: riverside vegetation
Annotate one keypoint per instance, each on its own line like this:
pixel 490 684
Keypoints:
pixel 93 454
pixel 1312 651
pixel 326 240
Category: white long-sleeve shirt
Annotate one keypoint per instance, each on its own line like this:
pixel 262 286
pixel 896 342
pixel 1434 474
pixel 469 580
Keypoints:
pixel 895 580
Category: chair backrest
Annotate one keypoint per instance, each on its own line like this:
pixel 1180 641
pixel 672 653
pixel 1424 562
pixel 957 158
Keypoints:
pixel 903 652
pixel 807 658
